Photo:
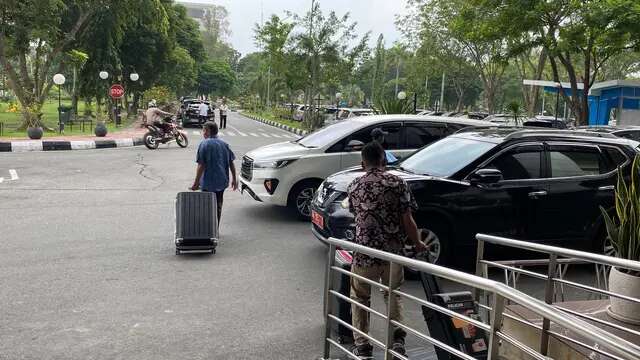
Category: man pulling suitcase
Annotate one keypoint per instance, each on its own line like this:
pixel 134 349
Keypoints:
pixel 215 162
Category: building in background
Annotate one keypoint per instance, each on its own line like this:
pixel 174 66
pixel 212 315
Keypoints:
pixel 196 10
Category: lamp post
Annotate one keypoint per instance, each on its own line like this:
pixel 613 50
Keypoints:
pixel 133 77
pixel 59 80
pixel 282 96
pixel 104 76
pixel 558 87
pixel 338 97
pixel 257 100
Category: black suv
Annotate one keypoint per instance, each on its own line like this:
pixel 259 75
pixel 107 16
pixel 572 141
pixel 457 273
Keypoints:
pixel 534 184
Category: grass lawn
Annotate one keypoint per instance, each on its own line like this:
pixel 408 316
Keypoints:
pixel 266 114
pixel 50 118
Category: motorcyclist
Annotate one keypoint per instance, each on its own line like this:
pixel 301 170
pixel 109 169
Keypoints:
pixel 157 117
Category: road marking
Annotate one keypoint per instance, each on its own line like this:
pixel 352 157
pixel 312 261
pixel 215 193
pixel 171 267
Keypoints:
pixel 1 180
pixel 265 134
pixel 275 135
pixel 238 131
pixel 196 132
pixel 14 174
pixel 254 134
pixel 220 133
pixel 231 133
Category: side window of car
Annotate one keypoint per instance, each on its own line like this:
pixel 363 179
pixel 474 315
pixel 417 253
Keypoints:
pixel 633 135
pixel 572 161
pixel 421 134
pixel 392 141
pixel 616 157
pixel 520 163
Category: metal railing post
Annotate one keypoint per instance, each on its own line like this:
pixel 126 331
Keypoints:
pixel 479 268
pixel 327 300
pixel 549 292
pixel 393 285
pixel 496 325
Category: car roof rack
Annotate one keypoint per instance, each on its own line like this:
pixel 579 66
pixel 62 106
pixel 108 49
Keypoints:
pixel 568 133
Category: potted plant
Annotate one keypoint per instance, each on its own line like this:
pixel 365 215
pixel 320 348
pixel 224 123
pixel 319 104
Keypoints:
pixel 623 232
pixel 34 130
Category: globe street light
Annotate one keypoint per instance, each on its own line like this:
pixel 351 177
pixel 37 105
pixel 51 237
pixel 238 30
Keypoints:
pixel 59 80
pixel 103 75
pixel 402 95
pixel 134 76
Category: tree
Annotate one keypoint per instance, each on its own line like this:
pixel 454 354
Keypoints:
pixel 215 78
pixel 38 33
pixel 182 73
pixel 579 37
pixel 272 38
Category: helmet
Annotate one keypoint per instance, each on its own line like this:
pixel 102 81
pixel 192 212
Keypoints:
pixel 152 103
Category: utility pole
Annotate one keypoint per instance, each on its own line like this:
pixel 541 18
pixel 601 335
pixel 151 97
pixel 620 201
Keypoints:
pixel 397 74
pixel 442 92
pixel 426 92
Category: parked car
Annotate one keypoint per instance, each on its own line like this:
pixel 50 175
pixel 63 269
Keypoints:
pixel 345 113
pixel 532 184
pixel 288 173
pixel 506 119
pixel 624 131
pixel 189 113
pixel 545 122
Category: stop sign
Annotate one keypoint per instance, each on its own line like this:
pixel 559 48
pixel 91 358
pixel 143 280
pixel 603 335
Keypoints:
pixel 116 91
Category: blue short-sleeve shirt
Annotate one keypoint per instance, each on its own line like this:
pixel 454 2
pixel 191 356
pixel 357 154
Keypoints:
pixel 216 156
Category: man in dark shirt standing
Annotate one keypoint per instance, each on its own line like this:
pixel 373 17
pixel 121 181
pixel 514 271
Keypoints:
pixel 382 204
pixel 215 161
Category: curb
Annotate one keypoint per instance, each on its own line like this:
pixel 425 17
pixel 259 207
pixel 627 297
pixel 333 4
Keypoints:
pixel 276 124
pixel 57 145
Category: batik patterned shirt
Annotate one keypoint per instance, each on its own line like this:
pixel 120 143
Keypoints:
pixel 378 200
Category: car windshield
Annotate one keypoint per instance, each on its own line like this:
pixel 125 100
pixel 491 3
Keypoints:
pixel 328 134
pixel 446 157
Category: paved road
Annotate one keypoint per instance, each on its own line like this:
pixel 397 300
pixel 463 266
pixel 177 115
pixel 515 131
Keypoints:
pixel 88 271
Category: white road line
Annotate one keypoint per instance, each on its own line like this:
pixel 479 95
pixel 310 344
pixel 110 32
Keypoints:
pixel 238 131
pixel 14 174
pixel 1 180
pixel 275 135
pixel 220 133
pixel 254 134
pixel 231 134
pixel 265 134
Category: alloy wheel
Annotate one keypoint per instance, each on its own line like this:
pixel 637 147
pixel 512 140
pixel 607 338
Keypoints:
pixel 303 201
pixel 433 242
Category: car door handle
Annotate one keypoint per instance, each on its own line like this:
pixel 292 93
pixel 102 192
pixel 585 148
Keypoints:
pixel 607 188
pixel 537 194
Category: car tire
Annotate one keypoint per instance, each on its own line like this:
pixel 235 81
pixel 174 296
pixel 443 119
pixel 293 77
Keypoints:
pixel 301 197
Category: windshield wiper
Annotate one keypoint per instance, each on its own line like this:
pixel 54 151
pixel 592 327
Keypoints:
pixel 405 169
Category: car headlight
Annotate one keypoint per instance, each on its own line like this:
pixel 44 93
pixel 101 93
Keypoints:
pixel 275 164
pixel 345 203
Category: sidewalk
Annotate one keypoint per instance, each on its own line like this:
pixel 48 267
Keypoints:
pixel 129 136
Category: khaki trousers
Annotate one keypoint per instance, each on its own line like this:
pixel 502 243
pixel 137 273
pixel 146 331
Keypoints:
pixel 361 292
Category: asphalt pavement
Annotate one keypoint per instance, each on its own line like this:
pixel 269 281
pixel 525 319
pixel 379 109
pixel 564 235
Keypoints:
pixel 88 268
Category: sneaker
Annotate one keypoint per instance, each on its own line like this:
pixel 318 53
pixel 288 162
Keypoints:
pixel 364 351
pixel 399 348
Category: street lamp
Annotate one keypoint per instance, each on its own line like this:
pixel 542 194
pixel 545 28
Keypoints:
pixel 558 87
pixel 338 97
pixel 59 80
pixel 402 95
pixel 134 76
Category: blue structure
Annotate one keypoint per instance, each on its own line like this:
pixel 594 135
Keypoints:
pixel 622 95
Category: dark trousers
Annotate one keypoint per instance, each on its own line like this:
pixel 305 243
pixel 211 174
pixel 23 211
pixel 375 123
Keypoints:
pixel 219 201
pixel 223 121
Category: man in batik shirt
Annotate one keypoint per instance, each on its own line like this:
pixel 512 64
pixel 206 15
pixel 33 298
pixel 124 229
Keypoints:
pixel 382 205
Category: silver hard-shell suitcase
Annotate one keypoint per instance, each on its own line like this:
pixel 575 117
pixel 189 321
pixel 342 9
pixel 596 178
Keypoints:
pixel 196 222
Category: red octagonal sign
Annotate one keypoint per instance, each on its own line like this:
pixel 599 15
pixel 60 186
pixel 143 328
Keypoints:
pixel 116 91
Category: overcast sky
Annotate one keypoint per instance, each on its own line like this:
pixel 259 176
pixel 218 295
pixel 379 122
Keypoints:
pixel 378 16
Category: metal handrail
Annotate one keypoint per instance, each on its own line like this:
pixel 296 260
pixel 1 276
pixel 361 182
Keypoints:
pixel 569 253
pixel 614 344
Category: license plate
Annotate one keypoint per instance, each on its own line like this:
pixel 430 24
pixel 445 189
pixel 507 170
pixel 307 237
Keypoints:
pixel 317 219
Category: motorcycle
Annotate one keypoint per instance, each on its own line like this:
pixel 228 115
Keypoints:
pixel 156 136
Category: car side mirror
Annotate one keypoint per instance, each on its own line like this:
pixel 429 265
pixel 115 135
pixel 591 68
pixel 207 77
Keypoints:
pixel 486 176
pixel 354 145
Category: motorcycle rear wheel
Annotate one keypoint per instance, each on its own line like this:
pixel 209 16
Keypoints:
pixel 182 140
pixel 150 141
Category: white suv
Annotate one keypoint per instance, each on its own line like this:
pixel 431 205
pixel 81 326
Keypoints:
pixel 288 173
